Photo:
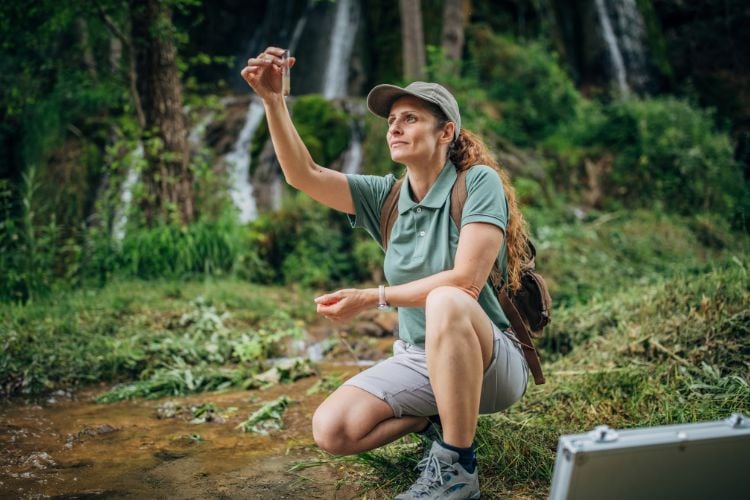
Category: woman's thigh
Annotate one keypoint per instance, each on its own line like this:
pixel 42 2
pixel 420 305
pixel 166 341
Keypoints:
pixel 506 377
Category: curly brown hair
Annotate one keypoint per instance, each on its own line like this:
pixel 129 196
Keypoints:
pixel 469 150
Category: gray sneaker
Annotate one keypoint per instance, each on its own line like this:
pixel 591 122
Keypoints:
pixel 443 477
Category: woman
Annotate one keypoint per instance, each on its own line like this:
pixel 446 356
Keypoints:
pixel 455 357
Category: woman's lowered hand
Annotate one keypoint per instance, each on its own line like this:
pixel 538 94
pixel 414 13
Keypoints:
pixel 343 305
pixel 264 72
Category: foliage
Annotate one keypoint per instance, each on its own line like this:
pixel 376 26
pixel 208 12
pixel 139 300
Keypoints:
pixel 305 243
pixel 28 249
pixel 154 335
pixel 205 247
pixel 534 94
pixel 177 380
pixel 326 384
pixel 669 152
pixel 586 259
pixel 268 418
pixel 322 126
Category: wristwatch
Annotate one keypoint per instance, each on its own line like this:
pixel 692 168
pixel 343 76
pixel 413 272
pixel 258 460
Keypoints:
pixel 382 304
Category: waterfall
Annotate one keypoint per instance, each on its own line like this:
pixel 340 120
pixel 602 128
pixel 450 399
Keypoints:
pixel 120 218
pixel 353 155
pixel 340 51
pixel 631 33
pixel 239 163
pixel 615 56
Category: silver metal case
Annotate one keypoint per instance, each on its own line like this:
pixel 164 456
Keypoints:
pixel 703 460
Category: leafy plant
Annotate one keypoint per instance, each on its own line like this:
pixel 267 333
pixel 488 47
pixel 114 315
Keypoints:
pixel 268 419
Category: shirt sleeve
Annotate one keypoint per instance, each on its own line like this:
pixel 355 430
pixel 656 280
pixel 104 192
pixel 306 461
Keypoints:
pixel 486 200
pixel 369 193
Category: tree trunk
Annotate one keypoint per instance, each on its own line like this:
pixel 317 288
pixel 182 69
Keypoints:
pixel 454 15
pixel 412 36
pixel 168 180
pixel 87 54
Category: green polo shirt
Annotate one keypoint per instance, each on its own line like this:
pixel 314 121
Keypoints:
pixel 424 238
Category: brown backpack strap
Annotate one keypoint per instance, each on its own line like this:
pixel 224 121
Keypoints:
pixel 389 212
pixel 522 334
pixel 459 193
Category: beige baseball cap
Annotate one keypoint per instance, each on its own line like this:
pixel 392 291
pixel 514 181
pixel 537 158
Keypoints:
pixel 381 98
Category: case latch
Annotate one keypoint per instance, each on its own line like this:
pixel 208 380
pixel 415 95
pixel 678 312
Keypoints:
pixel 738 421
pixel 603 434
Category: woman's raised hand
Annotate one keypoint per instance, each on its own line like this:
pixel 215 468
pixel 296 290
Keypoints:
pixel 264 72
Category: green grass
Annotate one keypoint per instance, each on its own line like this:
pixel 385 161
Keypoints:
pixel 136 330
pixel 674 351
pixel 651 326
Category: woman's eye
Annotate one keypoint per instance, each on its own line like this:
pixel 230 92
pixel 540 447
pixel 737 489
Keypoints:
pixel 411 118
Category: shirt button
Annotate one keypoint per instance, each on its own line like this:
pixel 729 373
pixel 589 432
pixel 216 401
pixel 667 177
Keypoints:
pixel 421 233
pixel 419 209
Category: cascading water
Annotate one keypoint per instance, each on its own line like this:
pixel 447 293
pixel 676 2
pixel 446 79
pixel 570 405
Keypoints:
pixel 334 86
pixel 631 34
pixel 353 155
pixel 120 218
pixel 624 36
pixel 340 52
pixel 239 158
pixel 239 163
pixel 615 56
pixel 337 74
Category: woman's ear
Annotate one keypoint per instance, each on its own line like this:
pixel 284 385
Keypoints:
pixel 448 131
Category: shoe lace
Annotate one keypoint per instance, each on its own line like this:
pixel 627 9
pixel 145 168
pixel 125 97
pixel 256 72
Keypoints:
pixel 432 471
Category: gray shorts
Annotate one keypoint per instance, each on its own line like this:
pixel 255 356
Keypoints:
pixel 403 383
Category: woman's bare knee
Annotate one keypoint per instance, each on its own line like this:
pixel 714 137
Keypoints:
pixel 347 416
pixel 329 431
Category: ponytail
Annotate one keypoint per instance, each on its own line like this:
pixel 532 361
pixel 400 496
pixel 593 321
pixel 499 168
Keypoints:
pixel 469 150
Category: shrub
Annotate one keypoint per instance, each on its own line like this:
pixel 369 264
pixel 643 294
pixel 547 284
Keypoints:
pixel 170 250
pixel 323 128
pixel 304 242
pixel 667 151
pixel 535 94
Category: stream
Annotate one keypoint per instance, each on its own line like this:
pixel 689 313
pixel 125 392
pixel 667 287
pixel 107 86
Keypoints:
pixel 65 445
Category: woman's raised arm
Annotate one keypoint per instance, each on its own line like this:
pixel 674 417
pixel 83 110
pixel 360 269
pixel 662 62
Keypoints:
pixel 325 185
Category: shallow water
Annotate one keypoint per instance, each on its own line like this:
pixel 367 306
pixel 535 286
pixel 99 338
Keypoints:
pixel 67 446
pixel 70 446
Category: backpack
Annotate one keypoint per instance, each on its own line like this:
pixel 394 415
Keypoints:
pixel 527 309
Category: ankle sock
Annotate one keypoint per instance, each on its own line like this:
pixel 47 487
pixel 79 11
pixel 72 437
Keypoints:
pixel 466 456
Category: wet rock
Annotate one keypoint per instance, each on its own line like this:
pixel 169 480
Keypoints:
pixel 98 430
pixel 169 455
pixel 168 409
pixel 39 460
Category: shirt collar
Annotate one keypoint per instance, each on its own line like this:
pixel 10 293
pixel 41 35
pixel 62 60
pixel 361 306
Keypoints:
pixel 437 194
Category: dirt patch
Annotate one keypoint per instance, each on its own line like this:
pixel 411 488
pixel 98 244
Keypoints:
pixel 75 448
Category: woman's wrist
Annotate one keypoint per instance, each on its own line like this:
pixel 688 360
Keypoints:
pixel 273 100
pixel 382 300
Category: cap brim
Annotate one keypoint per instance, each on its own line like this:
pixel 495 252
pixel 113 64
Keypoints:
pixel 381 98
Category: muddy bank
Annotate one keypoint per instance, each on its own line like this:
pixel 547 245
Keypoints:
pixel 67 446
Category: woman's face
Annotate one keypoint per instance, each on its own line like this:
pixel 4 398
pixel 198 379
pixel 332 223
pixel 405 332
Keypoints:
pixel 412 137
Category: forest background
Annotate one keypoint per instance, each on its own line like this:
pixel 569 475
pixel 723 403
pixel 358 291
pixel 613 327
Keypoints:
pixel 625 126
